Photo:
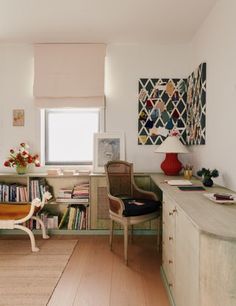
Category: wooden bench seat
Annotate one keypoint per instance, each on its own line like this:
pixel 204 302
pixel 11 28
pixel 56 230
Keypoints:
pixel 13 216
pixel 15 211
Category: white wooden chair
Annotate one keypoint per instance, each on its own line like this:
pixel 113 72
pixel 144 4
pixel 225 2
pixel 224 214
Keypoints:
pixel 12 216
pixel 128 204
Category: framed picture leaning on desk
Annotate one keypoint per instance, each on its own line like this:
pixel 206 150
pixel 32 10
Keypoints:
pixel 107 147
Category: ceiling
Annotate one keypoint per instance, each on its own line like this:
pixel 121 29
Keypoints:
pixel 103 21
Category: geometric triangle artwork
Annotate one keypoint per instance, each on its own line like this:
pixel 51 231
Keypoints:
pixel 166 105
pixel 161 103
pixel 196 106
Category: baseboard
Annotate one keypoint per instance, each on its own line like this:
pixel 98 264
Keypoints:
pixel 77 232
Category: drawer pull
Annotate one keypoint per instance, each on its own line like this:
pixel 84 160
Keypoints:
pixel 171 238
pixel 171 213
pixel 170 261
pixel 170 285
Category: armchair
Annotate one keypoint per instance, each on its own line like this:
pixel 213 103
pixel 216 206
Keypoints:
pixel 128 204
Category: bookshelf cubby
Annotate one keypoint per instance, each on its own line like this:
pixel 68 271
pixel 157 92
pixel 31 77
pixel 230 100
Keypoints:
pixel 94 208
pixel 75 212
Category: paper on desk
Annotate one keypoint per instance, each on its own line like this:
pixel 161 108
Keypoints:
pixel 179 182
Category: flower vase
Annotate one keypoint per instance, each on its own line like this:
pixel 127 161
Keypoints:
pixel 21 169
pixel 207 181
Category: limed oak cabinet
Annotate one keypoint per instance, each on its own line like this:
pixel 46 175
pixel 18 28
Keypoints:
pixel 199 247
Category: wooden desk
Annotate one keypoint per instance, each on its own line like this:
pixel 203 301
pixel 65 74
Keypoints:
pixel 199 247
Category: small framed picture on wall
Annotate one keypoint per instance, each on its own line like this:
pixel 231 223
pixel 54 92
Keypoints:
pixel 18 117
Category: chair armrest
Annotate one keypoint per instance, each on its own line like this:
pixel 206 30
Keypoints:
pixel 36 205
pixel 116 205
pixel 143 194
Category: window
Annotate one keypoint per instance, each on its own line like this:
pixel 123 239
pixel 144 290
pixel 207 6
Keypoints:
pixel 69 135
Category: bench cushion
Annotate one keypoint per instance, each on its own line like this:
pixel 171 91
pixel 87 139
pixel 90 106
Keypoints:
pixel 14 211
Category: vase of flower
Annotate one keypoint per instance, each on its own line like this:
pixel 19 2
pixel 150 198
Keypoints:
pixel 21 169
pixel 21 158
pixel 207 175
pixel 207 181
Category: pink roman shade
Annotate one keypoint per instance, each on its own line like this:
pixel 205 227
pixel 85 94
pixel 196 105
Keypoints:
pixel 69 75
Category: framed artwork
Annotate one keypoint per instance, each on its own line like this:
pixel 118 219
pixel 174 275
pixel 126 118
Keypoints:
pixel 107 146
pixel 196 106
pixel 167 104
pixel 18 117
pixel 161 109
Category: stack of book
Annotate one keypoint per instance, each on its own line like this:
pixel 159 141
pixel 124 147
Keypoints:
pixel 38 187
pixel 81 192
pixel 13 193
pixel 64 194
pixel 74 218
pixel 78 194
pixel 50 221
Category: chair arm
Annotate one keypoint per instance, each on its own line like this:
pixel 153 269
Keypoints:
pixel 143 194
pixel 36 203
pixel 116 205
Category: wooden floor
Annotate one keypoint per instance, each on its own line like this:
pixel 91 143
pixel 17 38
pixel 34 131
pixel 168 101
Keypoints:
pixel 95 276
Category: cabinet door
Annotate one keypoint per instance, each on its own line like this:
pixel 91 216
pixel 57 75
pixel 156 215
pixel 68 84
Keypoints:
pixel 186 261
pixel 168 254
pixel 99 203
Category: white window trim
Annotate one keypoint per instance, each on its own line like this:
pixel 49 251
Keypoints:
pixel 43 140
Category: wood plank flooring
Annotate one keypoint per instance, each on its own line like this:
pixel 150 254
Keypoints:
pixel 95 276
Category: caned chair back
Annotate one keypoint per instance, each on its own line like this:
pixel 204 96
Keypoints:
pixel 119 176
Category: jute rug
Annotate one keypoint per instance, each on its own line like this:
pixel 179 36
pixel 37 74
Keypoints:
pixel 26 278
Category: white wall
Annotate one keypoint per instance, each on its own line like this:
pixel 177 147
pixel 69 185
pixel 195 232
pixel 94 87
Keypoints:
pixel 215 43
pixel 125 65
pixel 16 92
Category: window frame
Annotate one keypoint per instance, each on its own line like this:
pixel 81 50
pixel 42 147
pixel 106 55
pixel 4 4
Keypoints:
pixel 45 116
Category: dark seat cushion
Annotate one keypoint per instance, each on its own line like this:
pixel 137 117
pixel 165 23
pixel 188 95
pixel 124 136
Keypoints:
pixel 138 207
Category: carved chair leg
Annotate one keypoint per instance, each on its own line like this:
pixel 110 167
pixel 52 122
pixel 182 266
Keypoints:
pixel 31 235
pixel 126 243
pixel 111 233
pixel 44 234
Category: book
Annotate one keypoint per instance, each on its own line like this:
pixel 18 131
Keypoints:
pixel 55 171
pixel 223 196
pixel 72 216
pixel 72 200
pixel 179 182
pixel 64 218
pixel 84 171
pixel 69 172
pixel 191 188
